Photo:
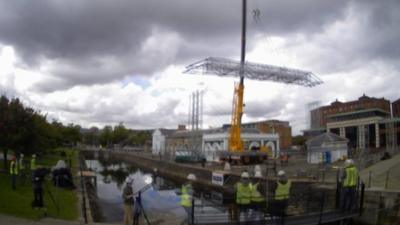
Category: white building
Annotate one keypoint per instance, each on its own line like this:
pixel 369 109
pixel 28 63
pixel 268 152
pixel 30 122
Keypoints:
pixel 159 136
pixel 326 148
pixel 217 141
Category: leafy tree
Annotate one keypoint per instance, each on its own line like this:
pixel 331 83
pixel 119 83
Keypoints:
pixel 106 136
pixel 299 140
pixel 120 134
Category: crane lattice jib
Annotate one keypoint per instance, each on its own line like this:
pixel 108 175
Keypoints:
pixel 255 71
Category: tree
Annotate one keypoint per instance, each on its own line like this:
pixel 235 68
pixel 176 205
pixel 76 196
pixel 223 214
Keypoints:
pixel 299 140
pixel 120 134
pixel 106 136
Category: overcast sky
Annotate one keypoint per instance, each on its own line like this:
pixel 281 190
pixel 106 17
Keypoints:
pixel 103 62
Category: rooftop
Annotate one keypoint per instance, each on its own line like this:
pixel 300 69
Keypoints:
pixel 325 138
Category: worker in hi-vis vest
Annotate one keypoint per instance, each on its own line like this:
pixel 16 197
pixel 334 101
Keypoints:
pixel 350 181
pixel 33 162
pixel 187 197
pixel 281 197
pixel 258 191
pixel 243 195
pixel 21 168
pixel 14 172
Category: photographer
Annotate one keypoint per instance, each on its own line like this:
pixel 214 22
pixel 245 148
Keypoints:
pixel 38 179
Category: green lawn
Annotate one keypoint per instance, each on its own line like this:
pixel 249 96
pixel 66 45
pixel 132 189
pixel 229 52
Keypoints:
pixel 18 202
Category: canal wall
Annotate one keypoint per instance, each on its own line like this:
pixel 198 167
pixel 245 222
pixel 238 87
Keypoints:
pixel 89 196
pixel 178 171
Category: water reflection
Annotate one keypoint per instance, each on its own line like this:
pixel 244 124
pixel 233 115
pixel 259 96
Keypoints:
pixel 159 198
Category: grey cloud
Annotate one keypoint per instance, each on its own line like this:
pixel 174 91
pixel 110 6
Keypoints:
pixel 80 34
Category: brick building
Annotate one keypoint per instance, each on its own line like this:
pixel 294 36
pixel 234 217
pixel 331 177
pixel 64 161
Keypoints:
pixel 396 108
pixel 366 122
pixel 319 116
pixel 282 128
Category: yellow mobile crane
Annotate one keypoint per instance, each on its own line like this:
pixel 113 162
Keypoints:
pixel 263 72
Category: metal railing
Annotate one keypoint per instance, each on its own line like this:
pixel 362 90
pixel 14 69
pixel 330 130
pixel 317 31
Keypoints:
pixel 319 205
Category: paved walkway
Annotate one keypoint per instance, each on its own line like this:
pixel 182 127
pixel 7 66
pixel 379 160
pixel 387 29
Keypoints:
pixel 10 220
pixel 5 219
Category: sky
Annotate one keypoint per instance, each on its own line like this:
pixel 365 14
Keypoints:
pixel 103 62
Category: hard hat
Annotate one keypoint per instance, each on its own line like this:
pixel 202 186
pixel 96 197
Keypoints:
pixel 227 166
pixel 257 168
pixel 129 180
pixel 191 176
pixel 34 156
pixel 245 175
pixel 258 174
pixel 21 155
pixel 349 162
pixel 281 173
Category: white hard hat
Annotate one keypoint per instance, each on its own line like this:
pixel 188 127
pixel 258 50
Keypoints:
pixel 227 166
pixel 258 174
pixel 349 162
pixel 281 173
pixel 191 176
pixel 245 175
pixel 34 156
pixel 22 155
pixel 128 180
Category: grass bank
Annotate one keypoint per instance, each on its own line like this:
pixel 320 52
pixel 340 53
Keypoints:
pixel 18 202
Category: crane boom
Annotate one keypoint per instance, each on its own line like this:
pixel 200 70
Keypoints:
pixel 235 140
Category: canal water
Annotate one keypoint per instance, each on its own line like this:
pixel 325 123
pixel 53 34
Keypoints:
pixel 159 198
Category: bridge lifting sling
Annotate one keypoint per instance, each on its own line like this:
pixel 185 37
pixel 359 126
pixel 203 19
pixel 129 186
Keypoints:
pixel 255 71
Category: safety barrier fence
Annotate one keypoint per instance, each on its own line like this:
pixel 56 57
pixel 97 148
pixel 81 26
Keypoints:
pixel 320 205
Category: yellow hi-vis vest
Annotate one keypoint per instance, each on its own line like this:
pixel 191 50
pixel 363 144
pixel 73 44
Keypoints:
pixel 243 194
pixel 186 198
pixel 33 164
pixel 255 194
pixel 351 177
pixel 13 168
pixel 282 191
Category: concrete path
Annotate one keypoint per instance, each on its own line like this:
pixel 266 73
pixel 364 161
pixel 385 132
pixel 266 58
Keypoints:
pixel 5 219
pixel 10 220
pixel 384 174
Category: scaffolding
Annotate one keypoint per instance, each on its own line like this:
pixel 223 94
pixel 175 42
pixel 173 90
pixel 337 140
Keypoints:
pixel 255 71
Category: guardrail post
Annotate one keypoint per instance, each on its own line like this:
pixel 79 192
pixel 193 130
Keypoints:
pixel 362 198
pixel 322 208
pixel 192 213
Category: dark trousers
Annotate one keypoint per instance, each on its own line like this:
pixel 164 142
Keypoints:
pixel 14 181
pixel 277 210
pixel 348 198
pixel 38 197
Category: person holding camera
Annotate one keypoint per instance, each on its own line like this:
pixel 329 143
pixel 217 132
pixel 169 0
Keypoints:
pixel 128 198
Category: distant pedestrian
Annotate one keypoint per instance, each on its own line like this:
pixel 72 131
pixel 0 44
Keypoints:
pixel 21 165
pixel 187 197
pixel 350 181
pixel 203 162
pixel 128 198
pixel 33 162
pixel 38 179
pixel 243 195
pixel 258 191
pixel 282 194
pixel 14 172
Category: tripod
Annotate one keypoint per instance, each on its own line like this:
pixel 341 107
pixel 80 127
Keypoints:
pixel 138 210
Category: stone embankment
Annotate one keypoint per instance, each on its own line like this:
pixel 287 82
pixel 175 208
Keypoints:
pixel 179 171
